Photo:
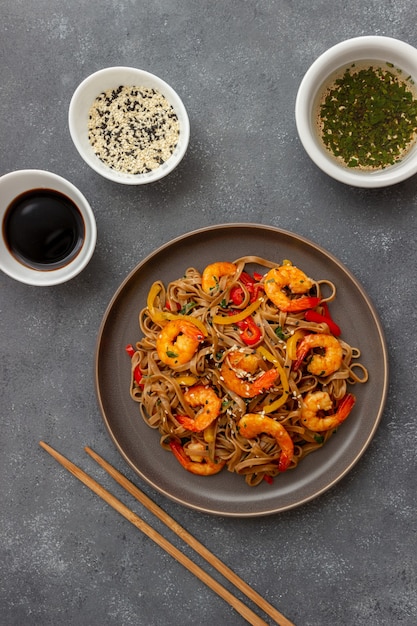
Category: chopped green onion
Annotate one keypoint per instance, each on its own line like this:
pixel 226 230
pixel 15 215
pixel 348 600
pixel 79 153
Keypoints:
pixel 368 117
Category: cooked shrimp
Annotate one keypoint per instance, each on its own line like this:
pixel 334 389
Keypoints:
pixel 213 272
pixel 201 395
pixel 205 467
pixel 177 342
pixel 317 401
pixel 289 276
pixel 321 364
pixel 239 374
pixel 253 424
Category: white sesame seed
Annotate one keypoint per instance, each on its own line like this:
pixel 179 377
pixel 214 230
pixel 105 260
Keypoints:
pixel 133 129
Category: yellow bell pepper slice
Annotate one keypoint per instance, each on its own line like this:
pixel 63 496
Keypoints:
pixel 209 433
pixel 292 344
pixel 238 317
pixel 188 380
pixel 156 316
pixel 160 317
pixel 270 408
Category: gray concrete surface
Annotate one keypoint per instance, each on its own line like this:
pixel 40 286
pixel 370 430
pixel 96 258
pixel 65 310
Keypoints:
pixel 345 559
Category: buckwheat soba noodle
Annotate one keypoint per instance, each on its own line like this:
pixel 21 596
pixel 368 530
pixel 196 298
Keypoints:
pixel 242 368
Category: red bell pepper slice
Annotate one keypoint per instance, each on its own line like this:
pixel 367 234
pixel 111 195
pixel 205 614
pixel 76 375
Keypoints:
pixel 236 295
pixel 169 307
pixel 256 289
pixel 130 350
pixel 250 331
pixel 251 285
pixel 137 374
pixel 319 318
pixel 247 279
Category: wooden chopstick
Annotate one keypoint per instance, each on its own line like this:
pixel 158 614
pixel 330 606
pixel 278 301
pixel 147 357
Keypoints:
pixel 191 541
pixel 121 508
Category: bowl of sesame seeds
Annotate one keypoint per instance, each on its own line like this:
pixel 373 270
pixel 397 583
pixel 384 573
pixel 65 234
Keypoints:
pixel 356 111
pixel 128 125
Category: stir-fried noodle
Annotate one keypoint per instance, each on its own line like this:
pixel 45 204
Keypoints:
pixel 243 370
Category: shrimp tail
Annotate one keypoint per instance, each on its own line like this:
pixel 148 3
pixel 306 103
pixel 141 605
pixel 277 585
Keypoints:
pixel 302 351
pixel 189 423
pixel 346 406
pixel 301 304
pixel 205 468
pixel 284 461
pixel 193 332
pixel 266 380
pixel 178 452
pixel 301 355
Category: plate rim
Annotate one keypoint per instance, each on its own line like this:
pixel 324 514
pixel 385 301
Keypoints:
pixel 293 236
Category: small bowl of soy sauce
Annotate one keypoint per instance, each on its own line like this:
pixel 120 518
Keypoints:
pixel 48 228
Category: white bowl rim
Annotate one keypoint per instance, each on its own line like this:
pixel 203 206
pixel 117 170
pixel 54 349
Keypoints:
pixel 45 278
pixel 312 80
pixel 86 151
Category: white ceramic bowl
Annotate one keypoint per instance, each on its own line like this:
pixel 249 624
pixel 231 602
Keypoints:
pixel 368 48
pixel 112 78
pixel 16 183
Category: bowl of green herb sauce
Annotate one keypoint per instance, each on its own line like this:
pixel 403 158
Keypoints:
pixel 356 111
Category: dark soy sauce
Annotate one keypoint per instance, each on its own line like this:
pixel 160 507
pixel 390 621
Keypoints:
pixel 43 229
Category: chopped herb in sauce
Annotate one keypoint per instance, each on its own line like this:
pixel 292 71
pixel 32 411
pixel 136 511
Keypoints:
pixel 368 116
pixel 133 129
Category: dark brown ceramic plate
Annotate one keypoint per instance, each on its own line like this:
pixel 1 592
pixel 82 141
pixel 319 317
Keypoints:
pixel 227 493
